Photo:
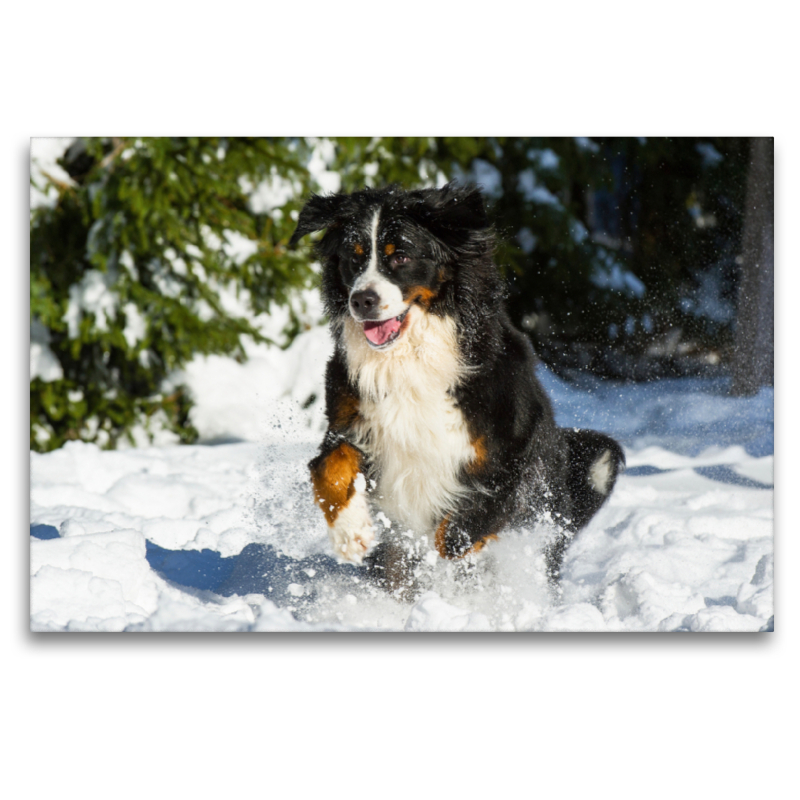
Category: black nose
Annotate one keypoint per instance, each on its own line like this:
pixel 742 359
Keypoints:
pixel 365 302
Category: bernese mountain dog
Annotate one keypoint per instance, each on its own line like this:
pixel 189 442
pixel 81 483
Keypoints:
pixel 436 420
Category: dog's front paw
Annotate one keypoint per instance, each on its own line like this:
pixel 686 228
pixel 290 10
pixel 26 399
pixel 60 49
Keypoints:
pixel 352 532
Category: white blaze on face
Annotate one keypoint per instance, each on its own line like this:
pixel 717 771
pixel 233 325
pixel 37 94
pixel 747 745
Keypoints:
pixel 390 303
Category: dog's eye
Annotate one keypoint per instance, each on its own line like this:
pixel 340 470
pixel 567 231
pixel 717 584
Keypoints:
pixel 397 261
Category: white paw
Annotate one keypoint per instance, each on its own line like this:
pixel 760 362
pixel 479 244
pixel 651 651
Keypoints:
pixel 352 532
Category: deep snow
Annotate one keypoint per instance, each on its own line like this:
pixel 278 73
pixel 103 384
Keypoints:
pixel 225 536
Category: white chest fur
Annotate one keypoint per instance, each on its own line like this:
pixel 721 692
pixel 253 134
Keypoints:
pixel 409 424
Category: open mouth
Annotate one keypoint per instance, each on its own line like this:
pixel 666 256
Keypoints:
pixel 382 334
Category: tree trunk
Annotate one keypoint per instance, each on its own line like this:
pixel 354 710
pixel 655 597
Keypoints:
pixel 753 363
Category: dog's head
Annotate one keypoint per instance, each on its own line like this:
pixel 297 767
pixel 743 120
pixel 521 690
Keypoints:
pixel 387 250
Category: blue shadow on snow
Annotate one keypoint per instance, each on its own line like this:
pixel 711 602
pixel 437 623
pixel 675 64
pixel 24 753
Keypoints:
pixel 718 472
pixel 202 569
pixel 258 569
pixel 44 532
pixel 725 474
pixel 644 470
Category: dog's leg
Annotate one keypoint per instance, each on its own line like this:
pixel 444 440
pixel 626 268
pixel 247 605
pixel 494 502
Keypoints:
pixel 337 472
pixel 340 491
pixel 393 564
pixel 463 534
pixel 554 557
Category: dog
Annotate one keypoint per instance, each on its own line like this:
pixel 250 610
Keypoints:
pixel 436 419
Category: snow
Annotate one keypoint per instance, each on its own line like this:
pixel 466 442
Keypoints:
pixel 532 190
pixel 244 401
pixel 585 143
pixel 711 156
pixel 545 158
pixel 225 536
pixel 270 195
pixel 44 170
pixel 239 247
pixel 91 295
pixel 322 157
pixel 707 299
pixel 610 274
pixel 135 325
pixel 527 240
pixel 485 175
pixel 44 363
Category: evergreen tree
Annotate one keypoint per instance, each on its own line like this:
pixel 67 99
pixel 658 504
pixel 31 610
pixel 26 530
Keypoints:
pixel 127 265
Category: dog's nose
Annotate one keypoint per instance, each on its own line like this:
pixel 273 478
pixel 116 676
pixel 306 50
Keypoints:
pixel 364 302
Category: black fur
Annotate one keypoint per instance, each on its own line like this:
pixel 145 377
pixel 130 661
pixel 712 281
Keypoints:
pixel 531 468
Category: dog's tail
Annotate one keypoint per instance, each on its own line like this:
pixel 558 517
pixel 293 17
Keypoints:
pixel 595 461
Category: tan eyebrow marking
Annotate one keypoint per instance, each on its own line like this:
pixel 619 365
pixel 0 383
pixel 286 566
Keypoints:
pixel 389 249
pixel 359 249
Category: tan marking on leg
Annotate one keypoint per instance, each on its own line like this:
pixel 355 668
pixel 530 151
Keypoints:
pixel 478 462
pixel 439 538
pixel 478 546
pixel 333 478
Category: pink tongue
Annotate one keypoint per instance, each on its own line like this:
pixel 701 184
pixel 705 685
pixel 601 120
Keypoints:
pixel 380 332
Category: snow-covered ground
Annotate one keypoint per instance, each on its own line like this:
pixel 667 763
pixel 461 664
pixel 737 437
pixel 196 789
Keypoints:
pixel 224 536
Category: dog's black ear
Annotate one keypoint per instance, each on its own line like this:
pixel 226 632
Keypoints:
pixel 453 213
pixel 461 207
pixel 320 212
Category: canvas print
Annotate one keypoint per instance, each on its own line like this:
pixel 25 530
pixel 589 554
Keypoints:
pixel 506 384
